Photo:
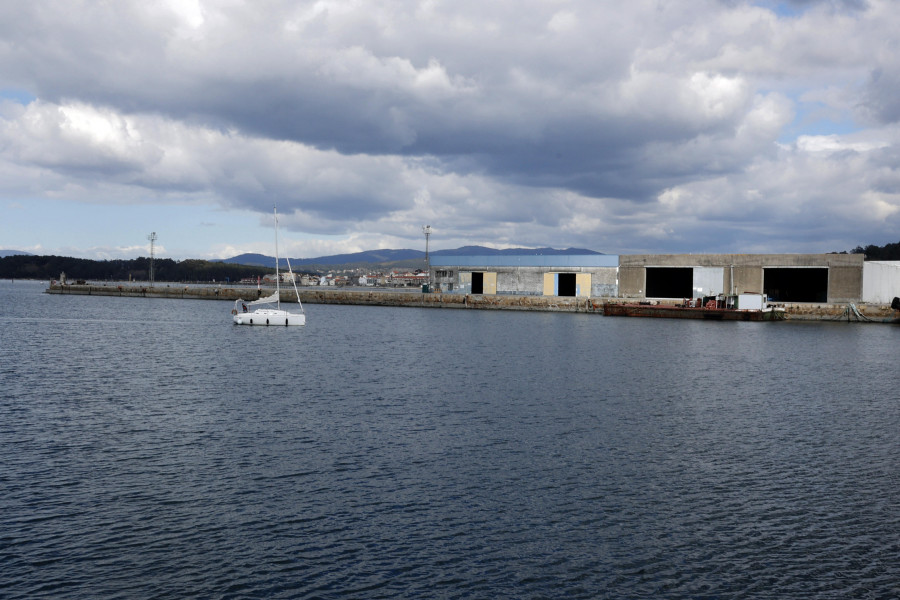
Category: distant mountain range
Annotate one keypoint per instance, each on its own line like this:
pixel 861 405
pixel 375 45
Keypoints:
pixel 399 256
pixel 5 253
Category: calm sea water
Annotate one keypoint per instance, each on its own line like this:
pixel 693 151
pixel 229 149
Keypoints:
pixel 151 449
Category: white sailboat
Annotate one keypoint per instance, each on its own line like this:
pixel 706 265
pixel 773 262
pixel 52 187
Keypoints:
pixel 242 315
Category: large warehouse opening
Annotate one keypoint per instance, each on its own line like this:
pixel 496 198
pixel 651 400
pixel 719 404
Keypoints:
pixel 566 284
pixel 477 283
pixel 796 285
pixel 670 282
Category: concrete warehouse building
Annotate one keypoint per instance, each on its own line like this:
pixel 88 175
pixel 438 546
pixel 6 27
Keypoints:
pixel 822 278
pixel 789 278
pixel 582 275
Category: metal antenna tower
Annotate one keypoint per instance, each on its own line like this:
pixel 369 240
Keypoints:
pixel 426 229
pixel 152 238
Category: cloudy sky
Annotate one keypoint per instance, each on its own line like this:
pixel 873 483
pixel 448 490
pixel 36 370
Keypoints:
pixel 624 127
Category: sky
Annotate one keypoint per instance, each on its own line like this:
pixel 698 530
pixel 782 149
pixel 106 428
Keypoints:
pixel 647 126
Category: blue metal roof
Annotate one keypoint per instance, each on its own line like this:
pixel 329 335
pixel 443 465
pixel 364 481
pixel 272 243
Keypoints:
pixel 554 260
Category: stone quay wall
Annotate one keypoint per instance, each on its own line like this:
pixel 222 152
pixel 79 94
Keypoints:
pixel 802 312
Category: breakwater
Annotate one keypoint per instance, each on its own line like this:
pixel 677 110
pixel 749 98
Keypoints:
pixel 876 313
pixel 412 298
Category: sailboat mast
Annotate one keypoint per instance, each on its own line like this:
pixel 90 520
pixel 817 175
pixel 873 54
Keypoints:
pixel 277 278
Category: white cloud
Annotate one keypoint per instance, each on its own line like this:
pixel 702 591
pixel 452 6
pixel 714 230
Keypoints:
pixel 189 12
pixel 563 22
pixel 836 143
pixel 716 96
pixel 618 126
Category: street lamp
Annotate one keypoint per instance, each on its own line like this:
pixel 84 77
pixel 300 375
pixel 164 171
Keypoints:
pixel 427 231
pixel 152 238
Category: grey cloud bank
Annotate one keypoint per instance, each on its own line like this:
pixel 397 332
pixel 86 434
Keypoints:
pixel 647 126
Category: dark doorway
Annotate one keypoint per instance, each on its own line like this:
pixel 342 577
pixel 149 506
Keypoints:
pixel 565 284
pixel 796 285
pixel 670 282
pixel 477 283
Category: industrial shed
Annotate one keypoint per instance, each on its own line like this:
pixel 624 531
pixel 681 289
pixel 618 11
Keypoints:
pixel 793 278
pixel 787 278
pixel 574 275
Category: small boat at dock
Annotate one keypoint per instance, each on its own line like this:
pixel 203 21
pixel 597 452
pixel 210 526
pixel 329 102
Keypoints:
pixel 738 307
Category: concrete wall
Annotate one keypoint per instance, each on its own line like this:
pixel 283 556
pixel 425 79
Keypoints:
pixel 520 280
pixel 632 282
pixel 746 279
pixel 881 281
pixel 323 295
pixel 605 282
pixel 845 284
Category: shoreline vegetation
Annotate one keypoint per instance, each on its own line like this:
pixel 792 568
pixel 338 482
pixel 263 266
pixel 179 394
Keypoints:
pixel 136 270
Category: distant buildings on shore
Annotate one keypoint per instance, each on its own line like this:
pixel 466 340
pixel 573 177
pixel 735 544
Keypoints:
pixel 415 278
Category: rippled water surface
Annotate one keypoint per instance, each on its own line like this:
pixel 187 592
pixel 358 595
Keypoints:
pixel 151 449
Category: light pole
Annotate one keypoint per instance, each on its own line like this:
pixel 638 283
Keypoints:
pixel 152 238
pixel 427 231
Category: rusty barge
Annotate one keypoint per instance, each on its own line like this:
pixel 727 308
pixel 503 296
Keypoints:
pixel 738 307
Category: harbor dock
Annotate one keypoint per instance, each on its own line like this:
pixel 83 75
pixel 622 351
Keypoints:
pixel 876 313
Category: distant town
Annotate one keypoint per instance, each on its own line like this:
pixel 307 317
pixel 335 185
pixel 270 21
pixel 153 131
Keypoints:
pixel 348 277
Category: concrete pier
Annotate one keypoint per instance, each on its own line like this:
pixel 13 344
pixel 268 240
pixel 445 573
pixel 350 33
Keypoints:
pixel 414 298
pixel 323 295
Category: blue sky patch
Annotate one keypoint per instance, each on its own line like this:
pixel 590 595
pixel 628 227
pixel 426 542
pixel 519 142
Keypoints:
pixel 20 96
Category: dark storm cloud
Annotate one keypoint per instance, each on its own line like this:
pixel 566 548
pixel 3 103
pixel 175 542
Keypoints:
pixel 881 101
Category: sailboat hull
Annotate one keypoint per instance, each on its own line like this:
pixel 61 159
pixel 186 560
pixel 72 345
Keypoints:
pixel 270 317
